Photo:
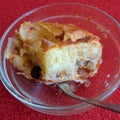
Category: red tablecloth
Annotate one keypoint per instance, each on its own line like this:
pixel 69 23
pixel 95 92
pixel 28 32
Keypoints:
pixel 12 109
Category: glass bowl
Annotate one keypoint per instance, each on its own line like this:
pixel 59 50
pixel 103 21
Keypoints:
pixel 49 99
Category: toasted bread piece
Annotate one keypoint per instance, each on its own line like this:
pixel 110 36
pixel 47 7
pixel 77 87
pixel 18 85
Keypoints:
pixel 52 52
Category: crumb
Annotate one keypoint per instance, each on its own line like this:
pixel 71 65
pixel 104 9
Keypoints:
pixel 87 83
pixel 108 75
pixel 73 87
pixel 60 91
pixel 89 19
pixel 102 28
pixel 54 85
pixel 105 35
pixel 106 83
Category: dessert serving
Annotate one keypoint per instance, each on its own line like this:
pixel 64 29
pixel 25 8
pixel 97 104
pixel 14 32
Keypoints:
pixel 53 52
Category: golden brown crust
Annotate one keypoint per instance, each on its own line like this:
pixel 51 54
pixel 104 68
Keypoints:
pixel 56 34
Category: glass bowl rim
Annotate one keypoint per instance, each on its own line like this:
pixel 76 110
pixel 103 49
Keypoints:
pixel 21 98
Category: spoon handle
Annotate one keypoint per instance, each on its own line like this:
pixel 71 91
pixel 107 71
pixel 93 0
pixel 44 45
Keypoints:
pixel 109 106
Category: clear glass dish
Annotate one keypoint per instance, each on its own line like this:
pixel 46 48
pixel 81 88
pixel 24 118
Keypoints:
pixel 48 99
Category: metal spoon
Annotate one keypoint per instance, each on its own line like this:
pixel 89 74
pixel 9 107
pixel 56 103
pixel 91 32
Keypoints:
pixel 109 106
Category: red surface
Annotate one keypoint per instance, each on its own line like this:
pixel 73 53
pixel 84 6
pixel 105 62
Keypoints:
pixel 12 109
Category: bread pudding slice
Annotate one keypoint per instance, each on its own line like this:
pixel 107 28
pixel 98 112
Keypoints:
pixel 52 52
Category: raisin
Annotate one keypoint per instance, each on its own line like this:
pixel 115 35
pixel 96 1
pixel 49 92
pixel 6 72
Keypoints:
pixel 36 72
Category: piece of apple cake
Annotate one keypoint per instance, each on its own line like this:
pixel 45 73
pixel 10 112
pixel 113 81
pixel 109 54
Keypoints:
pixel 52 52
